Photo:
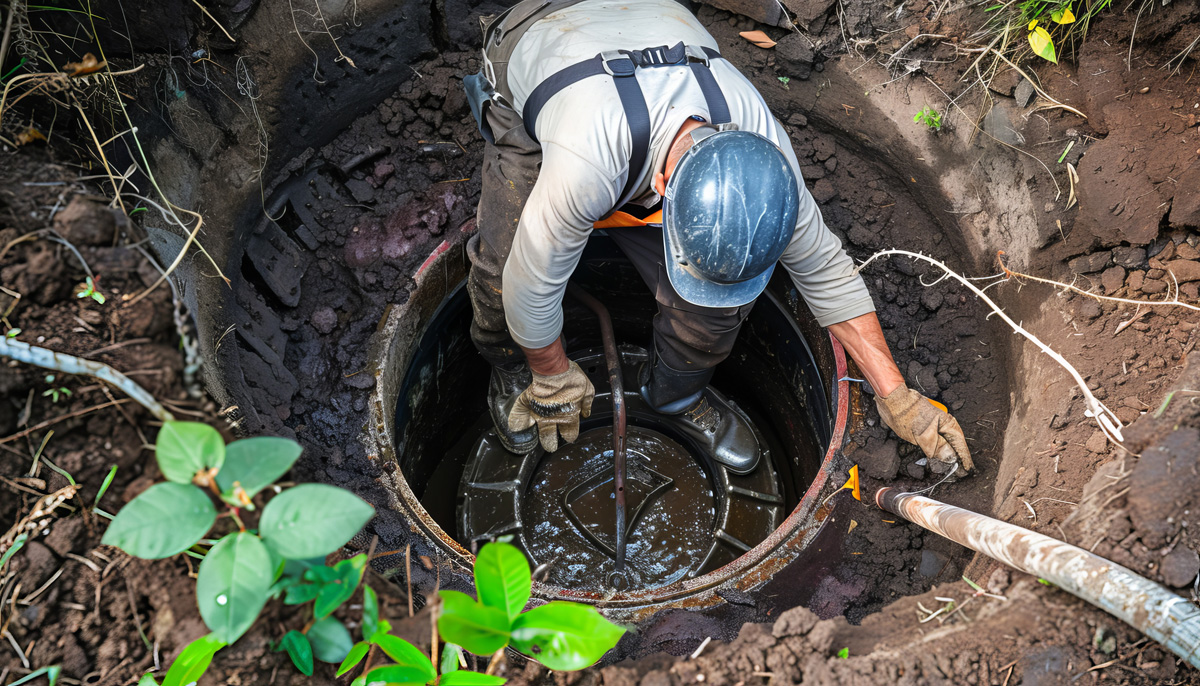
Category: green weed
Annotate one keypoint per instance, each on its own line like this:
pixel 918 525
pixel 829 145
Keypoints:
pixel 930 118
pixel 88 289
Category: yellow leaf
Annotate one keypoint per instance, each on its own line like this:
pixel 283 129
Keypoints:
pixel 759 38
pixel 853 524
pixel 852 484
pixel 1032 24
pixel 29 135
pixel 1039 40
pixel 1064 16
pixel 87 65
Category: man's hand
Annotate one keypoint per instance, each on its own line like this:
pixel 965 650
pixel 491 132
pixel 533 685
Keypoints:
pixel 554 403
pixel 935 432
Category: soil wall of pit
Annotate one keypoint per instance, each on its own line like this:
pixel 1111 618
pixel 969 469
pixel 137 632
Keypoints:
pixel 329 181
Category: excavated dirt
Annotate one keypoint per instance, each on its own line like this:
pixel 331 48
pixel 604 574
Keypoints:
pixel 365 209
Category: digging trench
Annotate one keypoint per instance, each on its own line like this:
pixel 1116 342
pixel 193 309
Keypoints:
pixel 345 326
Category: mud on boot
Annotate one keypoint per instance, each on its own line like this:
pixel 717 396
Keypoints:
pixel 719 429
pixel 507 383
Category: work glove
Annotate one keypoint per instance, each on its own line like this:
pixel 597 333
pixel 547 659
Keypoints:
pixel 554 404
pixel 915 419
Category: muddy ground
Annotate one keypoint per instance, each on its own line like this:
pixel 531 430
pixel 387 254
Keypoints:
pixel 374 201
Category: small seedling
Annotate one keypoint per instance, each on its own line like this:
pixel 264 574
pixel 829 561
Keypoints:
pixel 88 290
pixel 843 654
pixel 12 333
pixel 785 80
pixel 55 392
pixel 242 570
pixel 930 118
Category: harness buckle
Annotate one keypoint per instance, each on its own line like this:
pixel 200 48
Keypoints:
pixel 616 63
pixel 696 54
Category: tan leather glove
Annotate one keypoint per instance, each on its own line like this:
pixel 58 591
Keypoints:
pixel 914 418
pixel 555 404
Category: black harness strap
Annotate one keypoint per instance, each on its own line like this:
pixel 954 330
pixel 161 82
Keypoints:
pixel 622 65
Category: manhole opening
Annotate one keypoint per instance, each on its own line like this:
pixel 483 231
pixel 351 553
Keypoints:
pixel 556 507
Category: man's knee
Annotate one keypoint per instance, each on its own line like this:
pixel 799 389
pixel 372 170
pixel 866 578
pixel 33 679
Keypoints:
pixel 698 338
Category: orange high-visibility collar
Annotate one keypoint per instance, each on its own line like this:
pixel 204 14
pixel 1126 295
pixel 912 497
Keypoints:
pixel 624 220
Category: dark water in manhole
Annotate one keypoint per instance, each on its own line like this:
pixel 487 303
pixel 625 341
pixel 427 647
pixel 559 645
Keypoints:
pixel 695 517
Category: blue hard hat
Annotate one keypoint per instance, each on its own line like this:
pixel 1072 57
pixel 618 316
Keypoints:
pixel 728 214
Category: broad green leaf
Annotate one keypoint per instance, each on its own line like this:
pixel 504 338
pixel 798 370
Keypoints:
pixel 356 655
pixel 468 678
pixel 297 568
pixel 193 661
pixel 1039 40
pixel 360 681
pixel 405 654
pixel 476 627
pixel 184 448
pixel 333 594
pixel 147 680
pixel 451 654
pixel 300 651
pixel 255 463
pixel 298 594
pixel 321 574
pixel 1063 16
pixel 330 640
pixel 312 520
pixel 502 578
pixel 370 618
pixel 395 674
pixel 233 585
pixel 166 519
pixel 564 636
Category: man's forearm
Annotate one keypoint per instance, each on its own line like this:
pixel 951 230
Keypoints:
pixel 548 360
pixel 863 339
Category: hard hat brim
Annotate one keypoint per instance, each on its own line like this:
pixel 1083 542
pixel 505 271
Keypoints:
pixel 705 293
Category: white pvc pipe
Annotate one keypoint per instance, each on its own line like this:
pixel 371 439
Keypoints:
pixel 1149 607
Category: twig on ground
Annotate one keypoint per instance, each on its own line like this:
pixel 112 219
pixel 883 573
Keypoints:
pixel 69 364
pixel 495 661
pixel 408 576
pixel 214 20
pixel 1105 418
pixel 1173 301
pixel 700 649
pixel 1052 102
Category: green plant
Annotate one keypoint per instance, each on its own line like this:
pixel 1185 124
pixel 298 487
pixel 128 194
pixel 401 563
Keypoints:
pixel 12 333
pixel 55 392
pixel 245 568
pixel 785 80
pixel 562 636
pixel 88 289
pixel 930 118
pixel 1043 22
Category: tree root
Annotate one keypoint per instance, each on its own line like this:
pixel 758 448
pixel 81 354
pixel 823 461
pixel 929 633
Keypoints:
pixel 1105 418
pixel 69 364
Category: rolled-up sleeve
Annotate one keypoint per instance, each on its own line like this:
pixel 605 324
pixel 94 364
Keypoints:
pixel 570 195
pixel 822 271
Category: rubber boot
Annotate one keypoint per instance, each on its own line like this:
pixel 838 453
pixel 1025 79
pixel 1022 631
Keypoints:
pixel 722 432
pixel 510 377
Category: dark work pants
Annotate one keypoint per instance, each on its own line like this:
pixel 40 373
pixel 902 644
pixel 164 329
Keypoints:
pixel 687 337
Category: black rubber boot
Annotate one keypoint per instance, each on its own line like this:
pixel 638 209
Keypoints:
pixel 717 426
pixel 510 378
pixel 509 381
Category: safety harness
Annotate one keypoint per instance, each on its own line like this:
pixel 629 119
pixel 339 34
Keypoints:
pixel 500 38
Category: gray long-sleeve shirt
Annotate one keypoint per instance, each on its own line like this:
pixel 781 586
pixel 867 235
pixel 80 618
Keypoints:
pixel 586 149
